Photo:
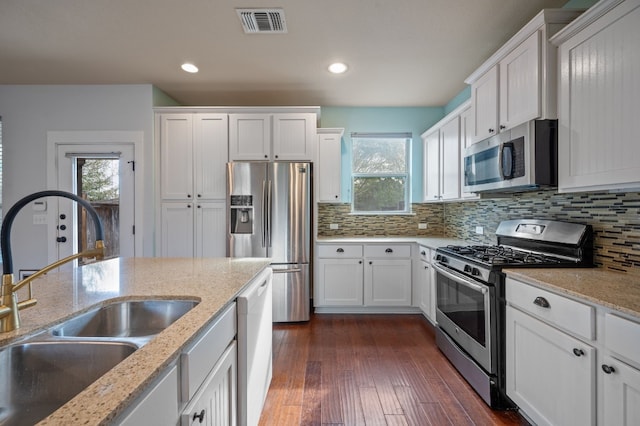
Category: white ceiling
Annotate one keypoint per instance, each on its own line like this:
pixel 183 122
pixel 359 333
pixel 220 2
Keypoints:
pixel 400 52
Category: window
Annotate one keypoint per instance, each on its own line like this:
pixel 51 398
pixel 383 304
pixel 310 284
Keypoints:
pixel 381 172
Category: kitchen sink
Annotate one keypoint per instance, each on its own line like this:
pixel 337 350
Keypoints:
pixel 37 378
pixel 125 319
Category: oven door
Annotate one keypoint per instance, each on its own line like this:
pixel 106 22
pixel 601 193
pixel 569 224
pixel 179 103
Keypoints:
pixel 464 311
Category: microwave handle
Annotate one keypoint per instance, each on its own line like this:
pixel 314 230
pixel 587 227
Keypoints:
pixel 506 148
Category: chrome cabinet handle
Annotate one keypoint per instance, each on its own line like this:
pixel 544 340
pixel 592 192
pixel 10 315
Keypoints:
pixel 608 369
pixel 542 302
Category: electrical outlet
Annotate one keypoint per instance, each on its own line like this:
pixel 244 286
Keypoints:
pixel 479 230
pixel 334 226
pixel 422 226
pixel 39 219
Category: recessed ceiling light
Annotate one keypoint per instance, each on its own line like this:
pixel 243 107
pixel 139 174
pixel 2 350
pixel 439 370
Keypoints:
pixel 337 68
pixel 189 67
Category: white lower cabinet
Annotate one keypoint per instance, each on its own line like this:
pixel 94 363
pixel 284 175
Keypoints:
pixel 621 391
pixel 159 405
pixel 195 229
pixel 550 374
pixel 340 282
pixel 353 275
pixel 559 370
pixel 425 285
pixel 387 282
pixel 215 402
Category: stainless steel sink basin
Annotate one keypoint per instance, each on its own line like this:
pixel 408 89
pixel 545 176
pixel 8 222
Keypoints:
pixel 38 378
pixel 125 319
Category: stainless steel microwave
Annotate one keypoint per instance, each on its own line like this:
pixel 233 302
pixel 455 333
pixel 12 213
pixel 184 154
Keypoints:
pixel 523 158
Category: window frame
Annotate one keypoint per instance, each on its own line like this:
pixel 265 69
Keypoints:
pixel 408 139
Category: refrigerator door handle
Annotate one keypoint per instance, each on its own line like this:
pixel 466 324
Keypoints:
pixel 264 213
pixel 269 212
pixel 287 271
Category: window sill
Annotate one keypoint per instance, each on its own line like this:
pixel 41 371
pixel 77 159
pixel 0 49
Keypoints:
pixel 382 213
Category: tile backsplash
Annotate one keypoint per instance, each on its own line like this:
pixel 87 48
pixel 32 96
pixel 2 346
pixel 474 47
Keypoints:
pixel 615 218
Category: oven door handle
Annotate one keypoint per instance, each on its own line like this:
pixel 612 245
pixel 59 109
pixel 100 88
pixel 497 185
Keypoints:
pixel 459 278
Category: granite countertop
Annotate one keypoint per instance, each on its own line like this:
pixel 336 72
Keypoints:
pixel 614 290
pixel 431 242
pixel 215 283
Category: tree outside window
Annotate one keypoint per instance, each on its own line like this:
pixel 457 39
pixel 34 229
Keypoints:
pixel 380 172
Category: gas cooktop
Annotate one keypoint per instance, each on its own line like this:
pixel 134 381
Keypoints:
pixel 495 255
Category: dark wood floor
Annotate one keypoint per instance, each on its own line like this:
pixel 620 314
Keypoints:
pixel 369 370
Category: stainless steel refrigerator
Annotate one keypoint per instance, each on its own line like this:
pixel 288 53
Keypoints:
pixel 270 216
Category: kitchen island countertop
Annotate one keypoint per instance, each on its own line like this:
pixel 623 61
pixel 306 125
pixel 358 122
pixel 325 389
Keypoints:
pixel 215 283
pixel 615 290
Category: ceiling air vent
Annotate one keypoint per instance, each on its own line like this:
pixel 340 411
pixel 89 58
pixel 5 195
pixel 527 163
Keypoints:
pixel 260 21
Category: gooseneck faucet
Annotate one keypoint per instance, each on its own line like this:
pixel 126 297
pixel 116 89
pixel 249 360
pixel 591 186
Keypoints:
pixel 9 306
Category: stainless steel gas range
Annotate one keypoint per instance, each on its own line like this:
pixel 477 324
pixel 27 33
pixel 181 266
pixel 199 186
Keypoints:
pixel 470 288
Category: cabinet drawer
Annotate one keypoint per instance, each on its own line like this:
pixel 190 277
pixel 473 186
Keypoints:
pixel 424 253
pixel 622 336
pixel 387 250
pixel 197 361
pixel 560 311
pixel 339 250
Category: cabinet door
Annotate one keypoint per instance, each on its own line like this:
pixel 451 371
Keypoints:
pixel 520 83
pixel 159 405
pixel 340 282
pixel 621 388
pixel 176 156
pixel 211 155
pixel 215 404
pixel 432 167
pixel 249 137
pixel 426 299
pixel 550 375
pixel 177 230
pixel 294 136
pixel 210 230
pixel 450 160
pixel 329 167
pixel 387 282
pixel 599 100
pixel 466 140
pixel 484 101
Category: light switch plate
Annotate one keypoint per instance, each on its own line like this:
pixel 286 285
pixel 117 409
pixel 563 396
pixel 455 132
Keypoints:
pixel 479 230
pixel 334 226
pixel 422 226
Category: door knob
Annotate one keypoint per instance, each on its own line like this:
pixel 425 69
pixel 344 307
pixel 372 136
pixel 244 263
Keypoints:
pixel 61 239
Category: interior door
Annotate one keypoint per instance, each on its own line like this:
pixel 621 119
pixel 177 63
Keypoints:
pixel 103 174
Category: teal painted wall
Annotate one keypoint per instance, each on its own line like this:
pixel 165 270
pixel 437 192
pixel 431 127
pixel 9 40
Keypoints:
pixel 460 98
pixel 382 119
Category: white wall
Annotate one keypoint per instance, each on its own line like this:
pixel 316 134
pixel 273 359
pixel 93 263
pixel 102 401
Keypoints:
pixel 29 111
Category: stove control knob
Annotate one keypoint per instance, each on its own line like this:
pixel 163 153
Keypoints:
pixel 475 272
pixel 467 269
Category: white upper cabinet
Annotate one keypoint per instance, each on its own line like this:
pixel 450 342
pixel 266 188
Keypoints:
pixel 249 137
pixel 328 166
pixel 518 82
pixel 193 153
pixel 484 97
pixel 599 99
pixel 466 140
pixel 272 137
pixel 450 160
pixel 432 166
pixel 443 150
